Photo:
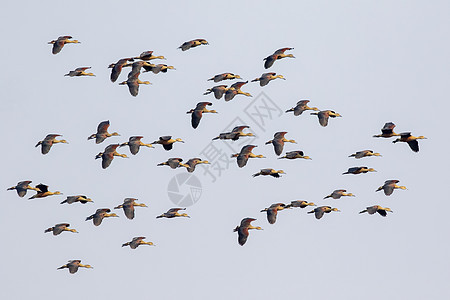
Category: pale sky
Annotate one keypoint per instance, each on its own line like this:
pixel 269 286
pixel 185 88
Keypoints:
pixel 377 62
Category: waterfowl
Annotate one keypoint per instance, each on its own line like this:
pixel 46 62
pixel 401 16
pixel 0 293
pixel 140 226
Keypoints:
pixel 197 113
pixel 300 203
pixel 48 142
pixel 128 207
pixel 324 115
pixel 235 89
pixel 337 194
pixel 269 172
pixel 218 90
pixel 173 163
pixel 108 155
pixel 272 211
pixel 79 72
pixel 411 140
pixel 59 43
pixel 133 83
pixel 301 106
pixel 245 154
pixel 137 241
pixel 387 131
pixel 102 132
pixel 78 198
pixel 73 266
pixel 377 209
pixel 389 186
pixel 235 134
pixel 278 142
pixel 148 55
pixel 243 228
pixel 321 210
pixel 99 215
pixel 224 76
pixel 117 68
pixel 135 143
pixel 359 170
pixel 294 155
pixel 364 153
pixel 22 188
pixel 191 44
pixel 279 54
pixel 191 163
pixel 58 228
pixel 267 77
pixel 167 142
pixel 172 213
pixel 158 68
pixel 42 191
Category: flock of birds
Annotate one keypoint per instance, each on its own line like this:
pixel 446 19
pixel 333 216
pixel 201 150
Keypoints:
pixel 134 143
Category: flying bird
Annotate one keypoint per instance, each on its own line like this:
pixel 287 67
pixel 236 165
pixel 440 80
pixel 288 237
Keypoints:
pixel 411 140
pixel 279 54
pixel 337 194
pixel 137 241
pixel 58 228
pixel 301 106
pixel 78 198
pixel 389 186
pixel 102 133
pixel 173 213
pixel 59 43
pixel 73 266
pixel 321 210
pixel 22 188
pixel 235 134
pixel 47 143
pixel 79 72
pixel 324 115
pixel 300 203
pixel 359 170
pixel 269 172
pixel 108 155
pixel 173 163
pixel 245 154
pixel 135 143
pixel 218 90
pixel 243 228
pixel 117 68
pixel 128 207
pixel 167 142
pixel 387 131
pixel 364 153
pixel 267 77
pixel 99 215
pixel 272 211
pixel 133 83
pixel 42 191
pixel 191 44
pixel 278 142
pixel 197 113
pixel 194 162
pixel 235 89
pixel 224 76
pixel 294 155
pixel 377 209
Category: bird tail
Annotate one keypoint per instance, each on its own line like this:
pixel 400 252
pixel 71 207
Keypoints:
pixel 99 155
pixel 236 229
pixel 363 211
pixel 48 230
pixel 289 110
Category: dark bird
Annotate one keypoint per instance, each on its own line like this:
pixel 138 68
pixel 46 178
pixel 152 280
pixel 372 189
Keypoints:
pixel 128 207
pixel 42 191
pixel 218 90
pixel 324 115
pixel 301 106
pixel 359 170
pixel 22 188
pixel 279 54
pixel 148 55
pixel 389 186
pixel 73 266
pixel 272 211
pixel 135 143
pixel 172 213
pixel 194 162
pixel 133 83
pixel 174 163
pixel 242 230
pixel 48 142
pixel 411 140
pixel 192 44
pixel 102 133
pixel 235 89
pixel 158 68
pixel 117 68
pixel 198 111
pixel 235 134
pixel 79 72
pixel 224 76
pixel 167 142
pixel 108 155
pixel 321 210
pixel 278 142
pixel 59 43
pixel 387 131
pixel 245 154
pixel 337 194
pixel 78 198
pixel 58 228
pixel 136 241
pixel 99 215
pixel 267 77
pixel 300 203
pixel 269 172
pixel 364 153
pixel 376 209
pixel 294 155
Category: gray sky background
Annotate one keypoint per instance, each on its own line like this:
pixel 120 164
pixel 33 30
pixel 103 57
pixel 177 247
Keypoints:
pixel 371 62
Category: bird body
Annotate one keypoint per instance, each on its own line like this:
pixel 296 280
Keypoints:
pixel 337 194
pixel 137 241
pixel 194 162
pixel 108 155
pixel 73 266
pixel 272 211
pixel 191 44
pixel 102 132
pixel 301 106
pixel 158 68
pixel 197 113
pixel 135 143
pixel 99 215
pixel 278 142
pixel 235 134
pixel 364 153
pixel 128 207
pixel 47 143
pixel 411 140
pixel 243 229
pixel 300 203
pixel 389 186
pixel 224 76
pixel 79 72
pixel 173 213
pixel 78 198
pixel 269 172
pixel 279 54
pixel 324 115
pixel 321 210
pixel 235 89
pixel 42 191
pixel 387 131
pixel 59 43
pixel 173 163
pixel 294 155
pixel 359 170
pixel 148 55
pixel 167 142
pixel 218 90
pixel 22 188
pixel 58 228
pixel 267 77
pixel 245 154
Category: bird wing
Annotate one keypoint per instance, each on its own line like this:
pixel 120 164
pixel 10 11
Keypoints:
pixel 323 118
pixel 128 209
pixel 269 60
pixel 196 117
pixel 103 127
pixel 42 187
pixel 414 145
pixel 272 215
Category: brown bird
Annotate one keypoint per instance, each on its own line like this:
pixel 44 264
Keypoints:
pixel 278 142
pixel 133 83
pixel 194 162
pixel 172 213
pixel 198 111
pixel 42 191
pixel 117 68
pixel 376 209
pixel 22 188
pixel 389 186
pixel 48 142
pixel 235 134
pixel 272 211
pixel 102 133
pixel 174 163
pixel 294 155
pixel 242 230
pixel 99 215
pixel 321 210
pixel 224 76
pixel 78 198
pixel 300 203
pixel 269 172
pixel 337 194
pixel 59 43
pixel 79 72
pixel 135 143
pixel 128 207
pixel 191 44
pixel 108 155
pixel 167 142
pixel 364 153
pixel 58 228
pixel 73 266
pixel 267 77
pixel 279 54
pixel 359 170
pixel 387 131
pixel 324 115
pixel 235 89
pixel 218 90
pixel 245 154
pixel 148 55
pixel 301 106
pixel 158 68
pixel 411 140
pixel 136 241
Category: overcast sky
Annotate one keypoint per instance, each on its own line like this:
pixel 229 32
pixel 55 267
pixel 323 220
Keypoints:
pixel 371 62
